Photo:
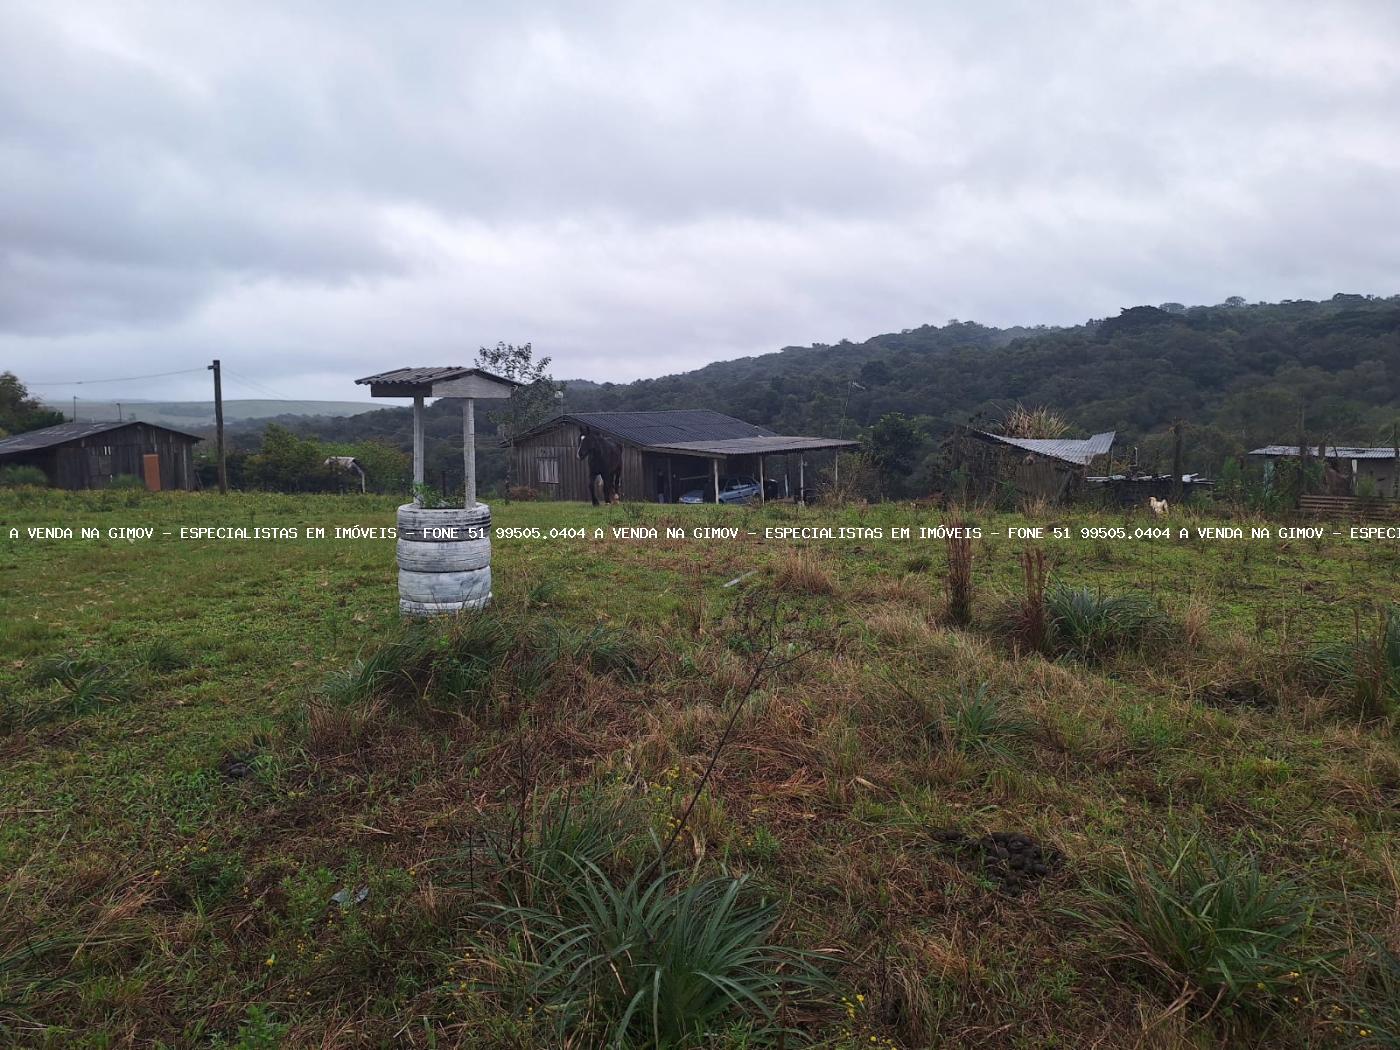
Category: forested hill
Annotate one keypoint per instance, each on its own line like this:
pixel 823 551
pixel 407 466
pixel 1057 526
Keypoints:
pixel 1241 375
pixel 1245 370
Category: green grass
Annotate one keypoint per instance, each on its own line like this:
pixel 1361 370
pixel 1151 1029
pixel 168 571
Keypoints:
pixel 203 742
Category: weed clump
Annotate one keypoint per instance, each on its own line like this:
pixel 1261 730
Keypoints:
pixel 977 722
pixel 1093 625
pixel 1210 924
pixel 84 684
pixel 799 573
pixel 163 655
pixel 467 659
pixel 1368 667
pixel 654 959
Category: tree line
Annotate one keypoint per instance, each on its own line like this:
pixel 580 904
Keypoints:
pixel 1238 374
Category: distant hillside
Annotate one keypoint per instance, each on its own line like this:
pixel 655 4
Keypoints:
pixel 198 414
pixel 1241 375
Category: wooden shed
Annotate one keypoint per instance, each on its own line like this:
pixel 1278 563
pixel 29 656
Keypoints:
pixel 1349 469
pixel 91 455
pixel 1051 469
pixel 664 454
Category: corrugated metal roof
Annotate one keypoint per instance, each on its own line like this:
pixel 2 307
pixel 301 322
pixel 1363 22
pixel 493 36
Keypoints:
pixel 415 376
pixel 1334 451
pixel 415 382
pixel 65 432
pixel 752 446
pixel 659 428
pixel 1079 451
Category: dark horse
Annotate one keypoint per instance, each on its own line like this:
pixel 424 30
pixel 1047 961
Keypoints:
pixel 604 459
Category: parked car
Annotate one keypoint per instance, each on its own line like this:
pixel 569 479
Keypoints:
pixel 731 490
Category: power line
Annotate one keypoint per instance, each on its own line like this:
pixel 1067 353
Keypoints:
pixel 122 379
pixel 260 387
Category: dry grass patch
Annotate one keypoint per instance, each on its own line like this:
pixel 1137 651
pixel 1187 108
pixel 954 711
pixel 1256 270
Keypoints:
pixel 799 572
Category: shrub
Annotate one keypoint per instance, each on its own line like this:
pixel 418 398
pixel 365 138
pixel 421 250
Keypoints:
pixel 19 477
pixel 645 960
pixel 1094 625
pixel 1209 923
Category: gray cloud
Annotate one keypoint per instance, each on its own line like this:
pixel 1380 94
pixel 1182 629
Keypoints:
pixel 315 191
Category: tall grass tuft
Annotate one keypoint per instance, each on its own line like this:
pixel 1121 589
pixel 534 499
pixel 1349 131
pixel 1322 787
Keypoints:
pixel 1368 667
pixel 958 583
pixel 1374 1000
pixel 163 655
pixel 86 684
pixel 1377 685
pixel 1210 924
pixel 800 573
pixel 574 829
pixel 1032 623
pixel 606 650
pixel 656 962
pixel 977 722
pixel 1094 625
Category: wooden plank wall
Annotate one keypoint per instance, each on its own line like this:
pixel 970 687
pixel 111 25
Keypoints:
pixel 560 447
pixel 92 462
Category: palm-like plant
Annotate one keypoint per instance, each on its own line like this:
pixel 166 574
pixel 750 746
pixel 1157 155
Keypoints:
pixel 650 960
pixel 1210 923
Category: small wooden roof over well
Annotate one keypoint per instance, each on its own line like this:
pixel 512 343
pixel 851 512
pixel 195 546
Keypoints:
pixel 440 381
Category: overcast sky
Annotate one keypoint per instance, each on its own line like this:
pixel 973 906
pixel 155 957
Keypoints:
pixel 312 192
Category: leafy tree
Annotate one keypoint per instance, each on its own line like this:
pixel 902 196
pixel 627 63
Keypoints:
pixel 288 463
pixel 534 401
pixel 387 468
pixel 893 445
pixel 18 411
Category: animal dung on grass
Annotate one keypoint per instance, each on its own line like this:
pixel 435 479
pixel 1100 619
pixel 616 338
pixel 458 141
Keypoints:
pixel 1012 859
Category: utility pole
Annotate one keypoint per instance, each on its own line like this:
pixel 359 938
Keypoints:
pixel 119 411
pixel 219 424
pixel 75 408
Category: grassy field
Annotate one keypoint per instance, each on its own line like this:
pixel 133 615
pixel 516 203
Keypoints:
pixel 244 806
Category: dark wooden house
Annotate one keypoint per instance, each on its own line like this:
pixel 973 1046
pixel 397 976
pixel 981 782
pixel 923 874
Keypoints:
pixel 665 454
pixel 90 455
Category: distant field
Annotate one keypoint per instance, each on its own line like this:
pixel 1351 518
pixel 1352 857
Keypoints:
pixel 201 413
pixel 200 748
